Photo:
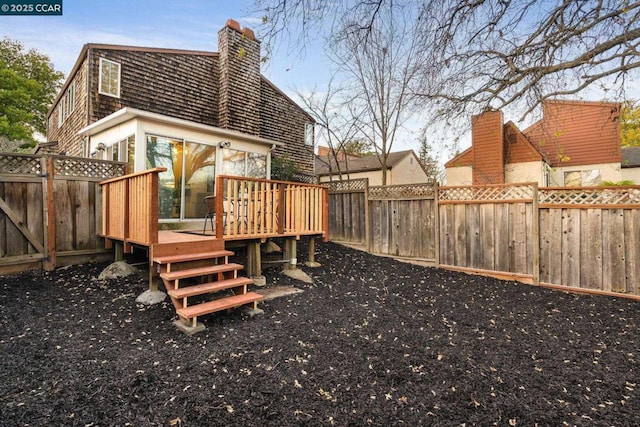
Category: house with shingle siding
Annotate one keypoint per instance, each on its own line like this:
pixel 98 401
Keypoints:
pixel 198 114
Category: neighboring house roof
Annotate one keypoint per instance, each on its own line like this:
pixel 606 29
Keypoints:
pixel 570 133
pixel 630 157
pixel 575 133
pixel 371 162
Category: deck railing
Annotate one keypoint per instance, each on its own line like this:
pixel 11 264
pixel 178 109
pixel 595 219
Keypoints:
pixel 252 207
pixel 130 208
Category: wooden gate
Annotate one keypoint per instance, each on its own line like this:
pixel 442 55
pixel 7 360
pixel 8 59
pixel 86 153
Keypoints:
pixel 49 208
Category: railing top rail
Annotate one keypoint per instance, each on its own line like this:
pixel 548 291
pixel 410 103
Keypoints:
pixel 131 175
pixel 595 187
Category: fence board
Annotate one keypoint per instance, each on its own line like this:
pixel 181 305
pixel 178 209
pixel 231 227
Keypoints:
pixel 487 227
pixel 591 256
pixel 3 224
pixel 474 244
pixel 458 215
pixel 15 198
pixel 570 253
pixel 35 220
pixel 613 250
pixel 632 246
pixel 501 236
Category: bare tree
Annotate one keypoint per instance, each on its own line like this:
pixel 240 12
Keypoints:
pixel 332 114
pixel 492 53
pixel 379 66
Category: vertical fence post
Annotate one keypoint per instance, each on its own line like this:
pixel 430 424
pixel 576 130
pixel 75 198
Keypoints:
pixel 436 217
pixel 50 214
pixel 535 235
pixel 367 219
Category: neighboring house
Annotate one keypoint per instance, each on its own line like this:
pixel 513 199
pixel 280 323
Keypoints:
pixel 631 164
pixel 199 114
pixel 576 143
pixel 403 167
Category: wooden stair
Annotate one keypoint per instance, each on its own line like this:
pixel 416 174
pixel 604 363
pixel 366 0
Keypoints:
pixel 213 274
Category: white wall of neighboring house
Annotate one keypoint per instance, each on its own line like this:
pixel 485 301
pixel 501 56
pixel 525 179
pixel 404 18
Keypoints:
pixel 375 177
pixel 608 172
pixel 631 174
pixel 524 172
pixel 461 175
pixel 407 171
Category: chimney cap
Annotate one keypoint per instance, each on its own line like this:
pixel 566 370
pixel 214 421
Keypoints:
pixel 248 32
pixel 232 23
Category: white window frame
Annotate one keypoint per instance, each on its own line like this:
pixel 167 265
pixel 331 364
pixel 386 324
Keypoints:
pixel 103 62
pixel 70 99
pixel 309 134
pixel 61 108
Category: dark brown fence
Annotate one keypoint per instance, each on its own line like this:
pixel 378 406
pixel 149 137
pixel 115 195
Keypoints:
pixel 584 239
pixel 50 208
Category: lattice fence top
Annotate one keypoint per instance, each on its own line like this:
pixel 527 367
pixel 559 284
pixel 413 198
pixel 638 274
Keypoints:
pixel 29 164
pixel 80 167
pixel 349 186
pixel 24 164
pixel 486 193
pixel 402 192
pixel 590 196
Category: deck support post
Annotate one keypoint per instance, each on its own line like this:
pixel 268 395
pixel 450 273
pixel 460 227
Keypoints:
pixel 119 248
pixel 254 263
pixel 291 253
pixel 312 253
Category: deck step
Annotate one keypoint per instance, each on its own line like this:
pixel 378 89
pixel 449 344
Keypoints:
pixel 200 271
pixel 210 287
pixel 218 305
pixel 169 259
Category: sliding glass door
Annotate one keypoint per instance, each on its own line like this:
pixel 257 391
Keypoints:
pixel 189 177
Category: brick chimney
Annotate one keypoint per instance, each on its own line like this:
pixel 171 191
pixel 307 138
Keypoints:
pixel 239 98
pixel 488 148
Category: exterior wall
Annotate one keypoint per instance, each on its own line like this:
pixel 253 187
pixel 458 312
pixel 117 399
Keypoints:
pixel 608 172
pixel 460 175
pixel 172 84
pixel 631 174
pixel 224 90
pixel 69 142
pixel 375 177
pixel 524 172
pixel 282 120
pixel 407 171
pixel 488 148
pixel 140 128
pixel 578 133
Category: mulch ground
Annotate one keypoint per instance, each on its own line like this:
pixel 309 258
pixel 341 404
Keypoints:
pixel 372 342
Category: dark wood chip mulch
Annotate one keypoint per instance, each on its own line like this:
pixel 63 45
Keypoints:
pixel 372 341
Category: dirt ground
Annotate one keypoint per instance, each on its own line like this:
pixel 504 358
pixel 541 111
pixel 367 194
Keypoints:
pixel 372 342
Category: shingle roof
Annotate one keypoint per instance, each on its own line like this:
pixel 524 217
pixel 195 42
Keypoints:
pixel 362 164
pixel 630 157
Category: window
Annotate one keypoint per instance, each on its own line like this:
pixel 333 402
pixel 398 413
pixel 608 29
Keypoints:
pixel 70 100
pixel 67 104
pixel 61 111
pixel 583 178
pixel 109 83
pixel 308 134
pixel 242 163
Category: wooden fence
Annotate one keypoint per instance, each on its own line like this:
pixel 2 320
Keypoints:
pixel 585 239
pixel 50 208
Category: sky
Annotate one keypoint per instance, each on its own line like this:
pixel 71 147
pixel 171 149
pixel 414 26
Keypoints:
pixel 179 24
